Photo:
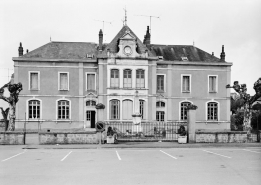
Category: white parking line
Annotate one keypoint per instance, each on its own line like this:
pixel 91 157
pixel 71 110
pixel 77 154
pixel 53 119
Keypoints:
pixel 251 151
pixel 118 155
pixel 66 156
pixel 216 154
pixel 13 156
pixel 168 154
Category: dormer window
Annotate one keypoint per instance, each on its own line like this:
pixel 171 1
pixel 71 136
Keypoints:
pixel 160 57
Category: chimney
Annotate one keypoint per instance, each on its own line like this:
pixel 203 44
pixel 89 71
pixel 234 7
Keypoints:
pixel 146 40
pixel 20 50
pixel 100 40
pixel 27 51
pixel 222 55
pixel 212 53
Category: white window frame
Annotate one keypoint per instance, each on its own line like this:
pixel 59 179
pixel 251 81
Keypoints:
pixel 120 107
pixel 127 69
pixel 86 74
pixel 70 109
pixel 216 83
pixel 138 69
pixel 164 115
pixel 60 79
pixel 180 108
pixel 144 108
pixel 27 109
pixel 119 83
pixel 29 79
pixel 218 114
pixel 165 88
pixel 190 80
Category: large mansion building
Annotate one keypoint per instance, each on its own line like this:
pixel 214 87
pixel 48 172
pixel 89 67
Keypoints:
pixel 63 81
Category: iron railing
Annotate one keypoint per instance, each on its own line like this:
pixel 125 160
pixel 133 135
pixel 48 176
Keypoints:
pixel 166 131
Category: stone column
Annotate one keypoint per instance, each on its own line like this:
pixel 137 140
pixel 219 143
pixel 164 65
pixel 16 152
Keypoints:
pixel 191 130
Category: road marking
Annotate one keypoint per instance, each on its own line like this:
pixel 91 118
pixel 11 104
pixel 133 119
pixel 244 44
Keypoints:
pixel 216 154
pixel 251 151
pixel 168 154
pixel 66 156
pixel 13 156
pixel 118 155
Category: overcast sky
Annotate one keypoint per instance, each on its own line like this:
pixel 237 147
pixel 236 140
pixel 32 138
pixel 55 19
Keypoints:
pixel 209 23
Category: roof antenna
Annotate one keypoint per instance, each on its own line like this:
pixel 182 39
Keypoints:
pixel 103 26
pixel 150 16
pixel 125 16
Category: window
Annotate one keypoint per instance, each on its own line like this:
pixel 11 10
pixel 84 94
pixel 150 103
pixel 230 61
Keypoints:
pixel 183 110
pixel 115 78
pixel 115 109
pixel 63 81
pixel 34 81
pixel 160 83
pixel 160 104
pixel 160 115
pixel 142 108
pixel 140 79
pixel 212 111
pixel 127 78
pixel 127 107
pixel 34 109
pixel 91 82
pixel 90 103
pixel 185 83
pixel 88 115
pixel 63 109
pixel 212 83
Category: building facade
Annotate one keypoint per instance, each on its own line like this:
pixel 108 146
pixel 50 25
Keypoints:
pixel 63 81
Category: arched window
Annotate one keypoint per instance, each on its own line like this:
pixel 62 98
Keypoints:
pixel 114 109
pixel 160 104
pixel 140 78
pixel 127 78
pixel 63 109
pixel 127 107
pixel 90 103
pixel 115 78
pixel 183 110
pixel 212 111
pixel 142 108
pixel 34 109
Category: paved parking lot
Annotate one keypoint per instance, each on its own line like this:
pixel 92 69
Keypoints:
pixel 130 166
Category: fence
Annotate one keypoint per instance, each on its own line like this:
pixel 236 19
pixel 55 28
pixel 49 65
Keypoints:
pixel 151 131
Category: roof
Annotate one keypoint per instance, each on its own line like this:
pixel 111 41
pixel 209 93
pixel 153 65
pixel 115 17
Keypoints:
pixel 113 45
pixel 176 52
pixel 63 50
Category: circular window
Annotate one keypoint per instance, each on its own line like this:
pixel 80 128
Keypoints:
pixel 127 50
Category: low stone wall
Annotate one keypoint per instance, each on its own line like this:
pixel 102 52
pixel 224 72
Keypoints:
pixel 12 138
pixel 68 138
pixel 225 137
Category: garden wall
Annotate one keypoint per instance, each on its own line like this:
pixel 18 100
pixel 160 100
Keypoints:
pixel 68 138
pixel 225 137
pixel 12 138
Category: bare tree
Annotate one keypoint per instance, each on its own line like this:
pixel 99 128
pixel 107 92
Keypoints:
pixel 5 114
pixel 248 100
pixel 14 90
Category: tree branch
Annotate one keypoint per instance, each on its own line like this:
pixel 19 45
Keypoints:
pixel 5 98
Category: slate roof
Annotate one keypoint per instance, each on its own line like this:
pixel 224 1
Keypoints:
pixel 175 52
pixel 63 50
pixel 113 45
pixel 80 50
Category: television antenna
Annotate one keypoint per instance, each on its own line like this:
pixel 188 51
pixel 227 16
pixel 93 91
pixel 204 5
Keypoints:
pixel 150 16
pixel 103 25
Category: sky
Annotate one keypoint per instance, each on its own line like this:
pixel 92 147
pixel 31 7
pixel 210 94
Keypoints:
pixel 208 24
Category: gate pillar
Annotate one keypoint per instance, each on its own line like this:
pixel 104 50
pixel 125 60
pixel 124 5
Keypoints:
pixel 191 123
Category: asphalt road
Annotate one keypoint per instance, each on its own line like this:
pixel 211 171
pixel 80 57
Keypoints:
pixel 240 166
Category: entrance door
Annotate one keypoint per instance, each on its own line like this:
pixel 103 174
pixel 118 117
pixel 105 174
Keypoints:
pixel 90 117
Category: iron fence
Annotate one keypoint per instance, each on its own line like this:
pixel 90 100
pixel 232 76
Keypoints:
pixel 153 131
